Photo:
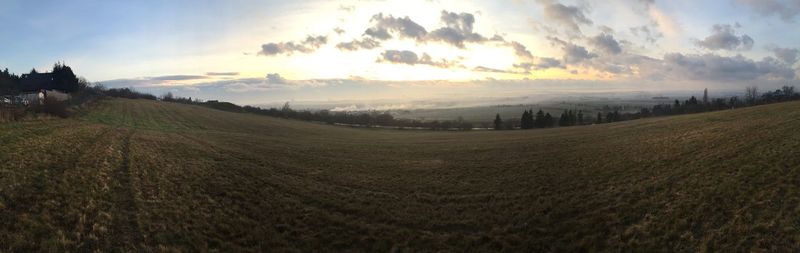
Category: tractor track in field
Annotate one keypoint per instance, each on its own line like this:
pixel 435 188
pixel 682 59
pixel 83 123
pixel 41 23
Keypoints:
pixel 125 232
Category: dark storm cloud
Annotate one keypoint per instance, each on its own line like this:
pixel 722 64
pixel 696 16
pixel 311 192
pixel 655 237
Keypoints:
pixel 606 43
pixel 724 37
pixel 310 44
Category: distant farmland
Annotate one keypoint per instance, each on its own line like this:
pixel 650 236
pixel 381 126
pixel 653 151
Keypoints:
pixel 485 114
pixel 140 175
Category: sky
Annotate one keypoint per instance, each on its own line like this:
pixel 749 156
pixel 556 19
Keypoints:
pixel 253 52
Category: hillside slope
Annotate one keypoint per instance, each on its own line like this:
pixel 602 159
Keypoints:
pixel 138 175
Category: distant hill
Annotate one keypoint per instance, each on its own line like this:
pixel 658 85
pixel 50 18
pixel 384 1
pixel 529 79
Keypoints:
pixel 139 175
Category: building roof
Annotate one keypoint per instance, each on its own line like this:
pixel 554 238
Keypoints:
pixel 35 82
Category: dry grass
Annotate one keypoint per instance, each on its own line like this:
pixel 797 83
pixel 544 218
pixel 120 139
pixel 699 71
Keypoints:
pixel 142 175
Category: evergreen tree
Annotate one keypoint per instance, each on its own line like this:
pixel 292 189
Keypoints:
pixel 527 121
pixel 562 121
pixel 580 117
pixel 548 120
pixel 599 119
pixel 540 121
pixel 498 123
pixel 572 119
pixel 64 79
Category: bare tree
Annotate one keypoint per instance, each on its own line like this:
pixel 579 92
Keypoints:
pixel 788 91
pixel 751 94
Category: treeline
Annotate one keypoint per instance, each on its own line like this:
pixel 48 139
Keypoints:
pixel 60 78
pixel 692 105
pixel 366 119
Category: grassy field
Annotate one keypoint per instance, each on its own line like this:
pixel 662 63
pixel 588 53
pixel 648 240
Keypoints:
pixel 135 175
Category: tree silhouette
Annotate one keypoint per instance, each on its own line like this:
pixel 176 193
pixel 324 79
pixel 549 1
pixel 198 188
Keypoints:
pixel 751 94
pixel 63 79
pixel 540 121
pixel 563 120
pixel 548 120
pixel 527 121
pixel 498 123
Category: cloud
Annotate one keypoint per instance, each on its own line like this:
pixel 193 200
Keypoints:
pixel 547 62
pixel 520 50
pixel 721 68
pixel 606 29
pixel 491 70
pixel 573 53
pixel 177 77
pixel 310 44
pixel 241 87
pixel 150 81
pixel 347 8
pixel 527 62
pixel 649 35
pixel 647 3
pixel 570 16
pixel 384 26
pixel 365 43
pixel 667 24
pixel 786 55
pixel 275 78
pixel 724 38
pixel 785 9
pixel 457 31
pixel 338 30
pixel 411 58
pixel 606 43
pixel 396 56
pixel 539 63
pixel 222 73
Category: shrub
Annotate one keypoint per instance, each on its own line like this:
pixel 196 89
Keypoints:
pixel 54 107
